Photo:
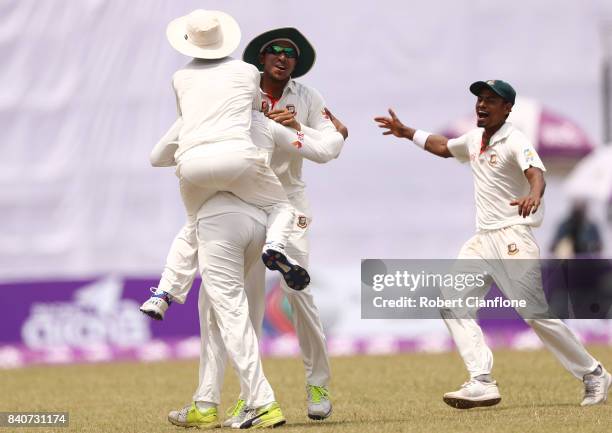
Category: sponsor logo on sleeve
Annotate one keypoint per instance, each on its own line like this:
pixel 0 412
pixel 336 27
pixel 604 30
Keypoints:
pixel 529 155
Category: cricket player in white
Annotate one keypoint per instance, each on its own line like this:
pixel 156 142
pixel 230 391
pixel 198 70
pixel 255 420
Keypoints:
pixel 222 233
pixel 282 54
pixel 509 185
pixel 271 137
pixel 214 95
pixel 231 235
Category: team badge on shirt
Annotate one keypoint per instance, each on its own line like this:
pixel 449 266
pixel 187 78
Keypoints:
pixel 493 159
pixel 290 108
pixel 512 249
pixel 302 222
pixel 264 106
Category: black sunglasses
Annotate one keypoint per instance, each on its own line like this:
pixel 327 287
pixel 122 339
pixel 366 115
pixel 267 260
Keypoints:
pixel 277 50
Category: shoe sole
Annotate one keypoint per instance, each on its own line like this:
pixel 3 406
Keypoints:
pixel 461 403
pixel 320 417
pixel 295 276
pixel 152 314
pixel 198 426
pixel 267 424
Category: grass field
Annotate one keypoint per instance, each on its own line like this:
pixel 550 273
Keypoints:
pixel 400 393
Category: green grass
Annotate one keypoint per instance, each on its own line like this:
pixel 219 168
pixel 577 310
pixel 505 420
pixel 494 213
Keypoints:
pixel 370 394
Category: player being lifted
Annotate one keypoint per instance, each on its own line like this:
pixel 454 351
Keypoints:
pixel 509 185
pixel 282 55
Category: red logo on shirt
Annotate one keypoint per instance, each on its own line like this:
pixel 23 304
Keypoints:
pixel 264 106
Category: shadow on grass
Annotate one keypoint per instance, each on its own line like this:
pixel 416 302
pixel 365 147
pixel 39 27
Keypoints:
pixel 331 424
pixel 521 406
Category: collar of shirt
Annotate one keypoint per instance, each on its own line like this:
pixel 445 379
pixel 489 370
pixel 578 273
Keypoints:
pixel 501 134
pixel 289 87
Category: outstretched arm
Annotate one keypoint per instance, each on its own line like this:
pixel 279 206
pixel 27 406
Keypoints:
pixel 531 202
pixel 434 143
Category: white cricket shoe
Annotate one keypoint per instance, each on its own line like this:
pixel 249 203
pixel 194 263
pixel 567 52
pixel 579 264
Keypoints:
pixel 596 388
pixel 237 414
pixel 266 416
pixel 319 404
pixel 190 416
pixel 155 307
pixel 473 394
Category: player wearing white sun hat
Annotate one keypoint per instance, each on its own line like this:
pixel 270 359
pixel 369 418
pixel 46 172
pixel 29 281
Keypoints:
pixel 283 54
pixel 215 94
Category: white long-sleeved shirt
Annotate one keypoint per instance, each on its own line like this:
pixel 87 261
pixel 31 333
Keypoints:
pixel 308 106
pixel 214 100
pixel 271 137
pixel 268 135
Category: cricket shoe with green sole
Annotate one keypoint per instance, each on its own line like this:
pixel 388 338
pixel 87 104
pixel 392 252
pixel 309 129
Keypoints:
pixel 268 416
pixel 319 404
pixel 236 414
pixel 190 416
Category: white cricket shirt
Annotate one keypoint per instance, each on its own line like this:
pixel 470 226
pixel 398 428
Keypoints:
pixel 214 99
pixel 270 137
pixel 499 176
pixel 308 106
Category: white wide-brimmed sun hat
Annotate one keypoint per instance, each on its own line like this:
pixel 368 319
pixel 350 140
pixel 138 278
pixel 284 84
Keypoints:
pixel 204 34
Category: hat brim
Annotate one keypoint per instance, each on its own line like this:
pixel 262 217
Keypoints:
pixel 479 86
pixel 175 32
pixel 306 57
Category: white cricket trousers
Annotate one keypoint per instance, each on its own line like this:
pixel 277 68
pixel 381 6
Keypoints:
pixel 228 244
pixel 233 166
pixel 496 249
pixel 305 315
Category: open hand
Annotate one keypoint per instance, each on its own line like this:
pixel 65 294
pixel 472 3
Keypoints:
pixel 392 124
pixel 526 205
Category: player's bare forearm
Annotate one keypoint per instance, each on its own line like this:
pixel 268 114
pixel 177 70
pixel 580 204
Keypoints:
pixel 438 145
pixel 530 203
pixel 535 177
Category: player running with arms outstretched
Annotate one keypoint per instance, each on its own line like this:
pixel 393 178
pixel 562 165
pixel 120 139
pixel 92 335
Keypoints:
pixel 509 186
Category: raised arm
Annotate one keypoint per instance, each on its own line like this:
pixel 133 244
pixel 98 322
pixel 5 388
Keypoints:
pixel 433 143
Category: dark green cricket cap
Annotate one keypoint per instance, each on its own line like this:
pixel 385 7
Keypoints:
pixel 500 87
pixel 306 52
